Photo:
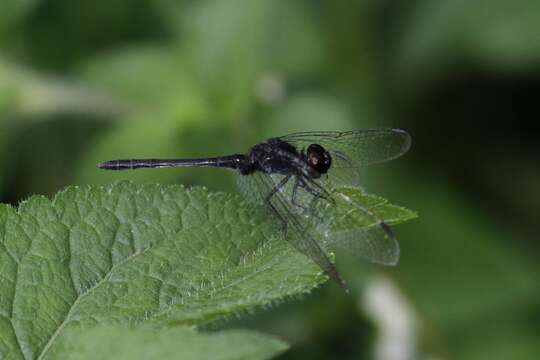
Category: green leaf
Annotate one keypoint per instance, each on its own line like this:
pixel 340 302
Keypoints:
pixel 349 212
pixel 131 254
pixel 113 342
pixel 128 254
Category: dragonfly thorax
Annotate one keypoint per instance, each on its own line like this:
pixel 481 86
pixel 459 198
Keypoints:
pixel 278 157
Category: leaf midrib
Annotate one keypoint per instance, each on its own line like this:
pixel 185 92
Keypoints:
pixel 85 294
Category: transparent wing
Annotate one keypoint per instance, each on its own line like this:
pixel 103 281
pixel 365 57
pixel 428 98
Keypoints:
pixel 349 223
pixel 334 218
pixel 358 230
pixel 373 244
pixel 299 231
pixel 353 149
pixel 346 221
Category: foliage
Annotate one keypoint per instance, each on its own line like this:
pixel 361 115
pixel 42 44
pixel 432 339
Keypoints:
pixel 86 81
pixel 131 254
pixel 114 342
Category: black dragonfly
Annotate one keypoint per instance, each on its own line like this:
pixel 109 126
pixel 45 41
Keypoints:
pixel 292 174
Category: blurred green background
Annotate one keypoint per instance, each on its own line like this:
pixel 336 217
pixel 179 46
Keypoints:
pixel 86 81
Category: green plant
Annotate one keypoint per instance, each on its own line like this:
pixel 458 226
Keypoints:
pixel 128 267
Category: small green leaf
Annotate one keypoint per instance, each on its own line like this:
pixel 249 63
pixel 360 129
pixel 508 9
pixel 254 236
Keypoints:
pixel 350 210
pixel 130 254
pixel 113 342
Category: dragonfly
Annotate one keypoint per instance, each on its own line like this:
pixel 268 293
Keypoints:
pixel 291 175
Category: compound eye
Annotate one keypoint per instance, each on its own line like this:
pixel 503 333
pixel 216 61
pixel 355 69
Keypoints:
pixel 318 158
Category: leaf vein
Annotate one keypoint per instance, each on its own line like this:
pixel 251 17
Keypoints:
pixel 82 296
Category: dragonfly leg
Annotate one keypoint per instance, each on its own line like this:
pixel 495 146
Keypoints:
pixel 297 183
pixel 322 192
pixel 268 201
pixel 312 204
pixel 304 243
pixel 319 192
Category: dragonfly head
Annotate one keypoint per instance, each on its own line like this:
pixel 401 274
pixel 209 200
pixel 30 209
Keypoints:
pixel 318 158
